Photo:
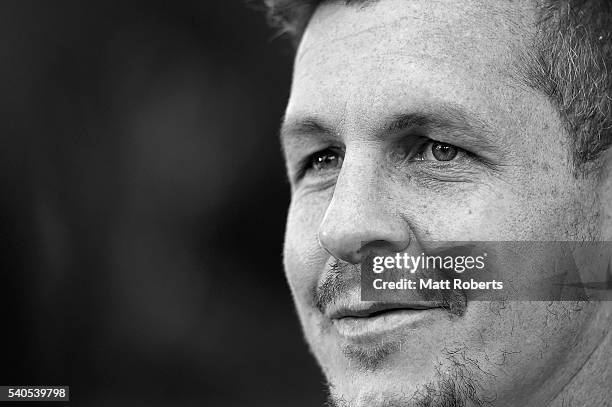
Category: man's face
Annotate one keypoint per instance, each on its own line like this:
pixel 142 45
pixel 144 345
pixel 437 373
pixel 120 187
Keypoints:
pixel 407 124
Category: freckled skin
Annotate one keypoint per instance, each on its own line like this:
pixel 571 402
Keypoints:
pixel 355 66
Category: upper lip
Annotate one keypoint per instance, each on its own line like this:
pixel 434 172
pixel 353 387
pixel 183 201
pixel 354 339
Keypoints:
pixel 367 310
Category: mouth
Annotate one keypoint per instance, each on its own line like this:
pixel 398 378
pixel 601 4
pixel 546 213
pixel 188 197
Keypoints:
pixel 366 322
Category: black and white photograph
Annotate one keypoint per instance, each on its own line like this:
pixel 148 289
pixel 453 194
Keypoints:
pixel 306 203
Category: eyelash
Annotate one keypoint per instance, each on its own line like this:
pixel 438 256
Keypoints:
pixel 426 145
pixel 308 163
pixel 417 154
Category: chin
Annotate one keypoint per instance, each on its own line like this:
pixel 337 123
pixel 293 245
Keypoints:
pixel 378 393
pixel 446 390
pixel 404 374
pixel 388 383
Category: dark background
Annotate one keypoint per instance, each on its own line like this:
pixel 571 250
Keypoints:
pixel 143 201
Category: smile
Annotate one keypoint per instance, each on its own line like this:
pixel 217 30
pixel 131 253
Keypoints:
pixel 379 321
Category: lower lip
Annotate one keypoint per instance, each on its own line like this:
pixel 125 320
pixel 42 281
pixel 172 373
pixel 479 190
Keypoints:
pixel 371 328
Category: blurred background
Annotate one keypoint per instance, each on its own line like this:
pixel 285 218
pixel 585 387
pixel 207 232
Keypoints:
pixel 143 203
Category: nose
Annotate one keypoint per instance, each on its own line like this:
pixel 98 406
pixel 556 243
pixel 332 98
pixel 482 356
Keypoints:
pixel 361 215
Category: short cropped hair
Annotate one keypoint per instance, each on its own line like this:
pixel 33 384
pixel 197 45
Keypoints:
pixel 570 61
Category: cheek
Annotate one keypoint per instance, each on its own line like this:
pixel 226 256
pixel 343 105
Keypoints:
pixel 479 215
pixel 496 213
pixel 304 259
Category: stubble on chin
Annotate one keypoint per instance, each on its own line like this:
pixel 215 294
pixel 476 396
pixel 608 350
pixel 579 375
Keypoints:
pixel 458 383
pixel 460 379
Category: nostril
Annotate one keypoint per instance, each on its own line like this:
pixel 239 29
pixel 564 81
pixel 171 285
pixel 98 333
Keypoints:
pixel 376 245
pixel 382 247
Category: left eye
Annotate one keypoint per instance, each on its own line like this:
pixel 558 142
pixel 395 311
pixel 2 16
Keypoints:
pixel 328 159
pixel 324 160
pixel 437 151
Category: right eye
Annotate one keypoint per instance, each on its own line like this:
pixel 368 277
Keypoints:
pixel 324 160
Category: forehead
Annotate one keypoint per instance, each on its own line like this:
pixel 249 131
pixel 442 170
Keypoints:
pixel 356 60
pixel 415 20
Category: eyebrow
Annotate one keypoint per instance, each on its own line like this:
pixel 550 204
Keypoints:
pixel 307 125
pixel 303 131
pixel 447 118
